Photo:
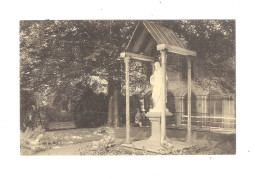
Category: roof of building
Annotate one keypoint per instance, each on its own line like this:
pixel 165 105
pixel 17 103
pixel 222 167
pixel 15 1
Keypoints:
pixel 148 35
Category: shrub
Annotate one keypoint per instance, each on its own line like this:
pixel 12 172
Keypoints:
pixel 33 141
pixel 101 147
pixel 107 146
pixel 167 148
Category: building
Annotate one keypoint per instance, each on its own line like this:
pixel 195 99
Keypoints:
pixel 210 107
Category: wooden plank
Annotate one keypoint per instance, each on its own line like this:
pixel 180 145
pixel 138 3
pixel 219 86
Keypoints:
pixel 127 94
pixel 168 34
pixel 160 33
pixel 189 101
pixel 163 117
pixel 137 56
pixel 152 32
pixel 163 35
pixel 175 49
pixel 177 39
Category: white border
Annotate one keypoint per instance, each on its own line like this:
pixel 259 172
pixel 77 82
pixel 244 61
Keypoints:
pixel 242 164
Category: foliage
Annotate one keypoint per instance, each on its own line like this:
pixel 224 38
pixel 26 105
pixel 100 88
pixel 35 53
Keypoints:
pixel 33 141
pixel 62 59
pixel 107 145
pixel 57 55
pixel 203 142
pixel 31 114
pixel 114 149
pixel 100 147
pixel 197 146
pixel 61 53
pixel 90 110
pixel 53 115
pixel 214 42
pixel 27 113
pixel 202 146
pixel 167 148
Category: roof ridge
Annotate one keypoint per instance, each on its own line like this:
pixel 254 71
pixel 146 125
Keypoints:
pixel 175 37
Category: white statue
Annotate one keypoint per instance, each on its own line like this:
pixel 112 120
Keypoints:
pixel 156 81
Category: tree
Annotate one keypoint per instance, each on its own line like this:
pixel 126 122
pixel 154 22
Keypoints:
pixel 57 56
pixel 214 42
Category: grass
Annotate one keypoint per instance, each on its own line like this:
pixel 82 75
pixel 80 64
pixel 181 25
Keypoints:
pixel 69 142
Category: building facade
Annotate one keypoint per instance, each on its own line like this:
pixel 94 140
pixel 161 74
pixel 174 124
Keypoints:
pixel 209 107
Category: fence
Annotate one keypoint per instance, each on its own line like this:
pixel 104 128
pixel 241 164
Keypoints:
pixel 211 112
pixel 212 123
pixel 208 112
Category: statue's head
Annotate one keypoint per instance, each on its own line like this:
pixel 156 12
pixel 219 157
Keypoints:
pixel 157 66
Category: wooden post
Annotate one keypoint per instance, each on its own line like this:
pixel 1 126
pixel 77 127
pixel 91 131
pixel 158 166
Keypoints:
pixel 163 115
pixel 189 100
pixel 127 94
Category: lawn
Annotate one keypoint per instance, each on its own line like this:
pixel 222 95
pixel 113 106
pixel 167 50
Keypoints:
pixel 106 141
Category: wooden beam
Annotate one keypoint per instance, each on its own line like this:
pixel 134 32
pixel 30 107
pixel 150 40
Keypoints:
pixel 127 94
pixel 163 115
pixel 137 56
pixel 175 49
pixel 189 101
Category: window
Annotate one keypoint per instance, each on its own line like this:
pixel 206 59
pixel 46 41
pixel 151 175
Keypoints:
pixel 214 104
pixel 193 104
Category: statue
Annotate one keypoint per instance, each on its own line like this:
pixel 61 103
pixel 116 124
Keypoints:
pixel 156 82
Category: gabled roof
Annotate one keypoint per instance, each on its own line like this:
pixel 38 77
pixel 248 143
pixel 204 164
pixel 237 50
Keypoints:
pixel 163 35
pixel 148 35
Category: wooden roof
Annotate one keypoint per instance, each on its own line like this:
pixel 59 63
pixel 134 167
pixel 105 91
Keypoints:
pixel 149 37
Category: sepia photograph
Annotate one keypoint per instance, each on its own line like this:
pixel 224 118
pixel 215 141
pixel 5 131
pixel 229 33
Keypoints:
pixel 127 87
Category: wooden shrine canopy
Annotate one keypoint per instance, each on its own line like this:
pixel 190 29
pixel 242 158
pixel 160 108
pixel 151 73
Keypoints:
pixel 149 37
pixel 147 41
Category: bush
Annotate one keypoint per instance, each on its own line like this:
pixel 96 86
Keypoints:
pixel 33 141
pixel 90 109
pixel 108 145
pixel 28 109
pixel 167 148
pixel 100 147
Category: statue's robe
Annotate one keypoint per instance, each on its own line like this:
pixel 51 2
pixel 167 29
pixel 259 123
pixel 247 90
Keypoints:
pixel 156 81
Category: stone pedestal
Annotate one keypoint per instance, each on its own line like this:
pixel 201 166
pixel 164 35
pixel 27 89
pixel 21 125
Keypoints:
pixel 155 119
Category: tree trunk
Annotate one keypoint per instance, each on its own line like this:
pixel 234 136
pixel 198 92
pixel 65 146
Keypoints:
pixel 116 115
pixel 113 108
pixel 110 112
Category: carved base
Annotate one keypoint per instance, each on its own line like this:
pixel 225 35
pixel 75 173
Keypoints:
pixel 155 119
